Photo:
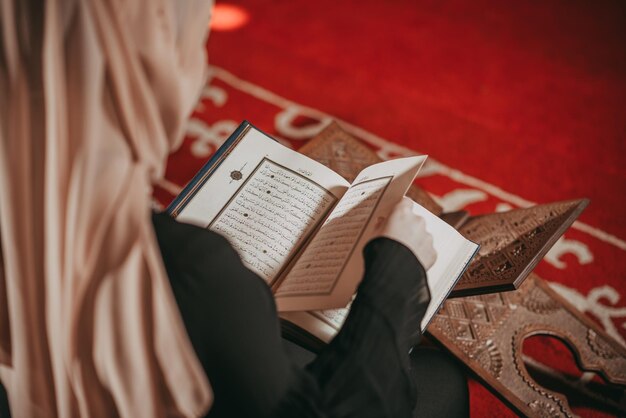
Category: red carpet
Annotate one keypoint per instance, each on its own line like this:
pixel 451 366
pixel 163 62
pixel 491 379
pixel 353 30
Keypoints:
pixel 518 102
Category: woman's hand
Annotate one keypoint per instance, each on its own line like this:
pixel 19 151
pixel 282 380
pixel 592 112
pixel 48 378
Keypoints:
pixel 404 226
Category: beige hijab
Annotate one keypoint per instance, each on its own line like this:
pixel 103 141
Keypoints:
pixel 93 94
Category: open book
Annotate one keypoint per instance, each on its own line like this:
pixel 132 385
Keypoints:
pixel 302 227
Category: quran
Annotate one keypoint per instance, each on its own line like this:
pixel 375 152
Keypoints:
pixel 302 227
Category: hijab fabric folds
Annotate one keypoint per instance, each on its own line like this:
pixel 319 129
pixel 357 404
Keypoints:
pixel 93 95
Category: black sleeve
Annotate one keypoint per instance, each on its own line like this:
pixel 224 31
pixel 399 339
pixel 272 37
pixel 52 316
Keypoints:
pixel 365 370
pixel 230 316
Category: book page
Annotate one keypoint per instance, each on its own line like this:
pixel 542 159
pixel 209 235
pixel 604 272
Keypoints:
pixel 326 255
pixel 454 252
pixel 326 273
pixel 323 324
pixel 266 200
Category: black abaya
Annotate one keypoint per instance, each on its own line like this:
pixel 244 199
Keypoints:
pixel 366 371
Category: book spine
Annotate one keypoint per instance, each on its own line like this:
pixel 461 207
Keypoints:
pixel 190 190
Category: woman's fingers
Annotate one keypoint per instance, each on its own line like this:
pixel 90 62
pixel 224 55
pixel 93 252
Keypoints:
pixel 408 228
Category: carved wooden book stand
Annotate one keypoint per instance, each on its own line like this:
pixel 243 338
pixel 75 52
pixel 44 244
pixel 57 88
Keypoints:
pixel 512 244
pixel 486 332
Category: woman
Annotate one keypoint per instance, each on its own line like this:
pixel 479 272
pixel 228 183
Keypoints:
pixel 94 96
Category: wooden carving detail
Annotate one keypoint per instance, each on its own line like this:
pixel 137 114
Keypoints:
pixel 487 332
pixel 512 243
pixel 347 156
